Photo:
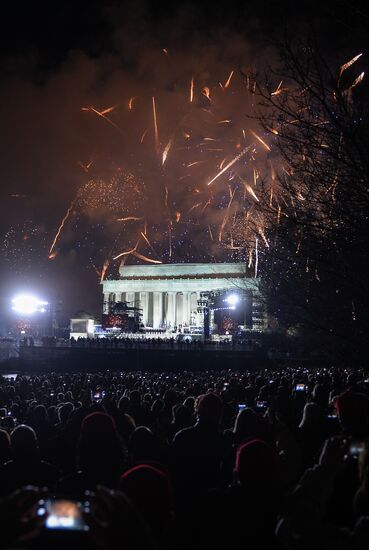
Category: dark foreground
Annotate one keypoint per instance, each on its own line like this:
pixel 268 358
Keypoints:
pixel 185 459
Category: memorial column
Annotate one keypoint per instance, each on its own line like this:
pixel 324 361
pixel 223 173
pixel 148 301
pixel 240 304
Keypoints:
pixel 144 305
pixel 158 309
pixel 106 302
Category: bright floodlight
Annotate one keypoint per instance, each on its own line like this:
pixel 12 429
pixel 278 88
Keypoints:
pixel 232 299
pixel 27 304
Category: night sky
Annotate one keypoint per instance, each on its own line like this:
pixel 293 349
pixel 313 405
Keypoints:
pixel 56 60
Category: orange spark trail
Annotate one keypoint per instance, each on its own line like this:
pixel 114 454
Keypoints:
pixel 104 268
pixel 345 66
pixel 278 90
pixel 145 258
pixel 225 219
pixel 196 162
pixel 191 90
pixel 170 238
pixel 166 151
pixel 231 163
pixel 155 123
pixel 130 103
pixel 211 234
pixel 60 228
pixel 126 253
pixel 194 206
pixel 261 141
pixel 148 242
pixel 222 163
pixel 143 136
pixel 165 51
pixel 264 237
pixel 250 190
pixel 85 167
pixel 101 114
pixel 224 121
pixel 228 80
pixel 108 110
pixel 206 205
pixel 357 80
pixel 129 218
pixel 256 175
pixel 206 92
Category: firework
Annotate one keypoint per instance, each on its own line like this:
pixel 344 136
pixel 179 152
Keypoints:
pixel 60 228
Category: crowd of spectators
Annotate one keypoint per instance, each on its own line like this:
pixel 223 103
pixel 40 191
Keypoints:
pixel 185 341
pixel 266 459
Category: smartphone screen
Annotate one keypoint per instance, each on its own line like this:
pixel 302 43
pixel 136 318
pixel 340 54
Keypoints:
pixel 64 514
pixel 241 406
pixel 300 387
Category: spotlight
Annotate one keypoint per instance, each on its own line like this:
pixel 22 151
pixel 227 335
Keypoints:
pixel 27 304
pixel 232 299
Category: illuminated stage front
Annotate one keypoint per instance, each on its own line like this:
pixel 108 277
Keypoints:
pixel 168 294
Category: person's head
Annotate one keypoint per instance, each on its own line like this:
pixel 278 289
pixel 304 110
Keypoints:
pixel 353 413
pixel 157 406
pixel 182 417
pixel 320 395
pixel 189 402
pixel 135 397
pixel 24 444
pixel 170 398
pixel 123 404
pixel 311 416
pixel 99 446
pixel 142 445
pixel 257 467
pixel 65 411
pixel 246 423
pixel 149 489
pixel 209 409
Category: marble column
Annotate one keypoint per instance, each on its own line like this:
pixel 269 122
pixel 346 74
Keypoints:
pixel 185 309
pixel 130 297
pixel 144 305
pixel 106 302
pixel 158 309
pixel 189 308
pixel 165 309
pixel 171 315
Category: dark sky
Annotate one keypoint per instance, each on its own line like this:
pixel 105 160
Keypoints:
pixel 57 59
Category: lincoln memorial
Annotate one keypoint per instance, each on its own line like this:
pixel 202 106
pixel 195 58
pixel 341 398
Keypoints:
pixel 168 294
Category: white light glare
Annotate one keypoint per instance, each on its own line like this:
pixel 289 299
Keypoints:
pixel 232 299
pixel 27 304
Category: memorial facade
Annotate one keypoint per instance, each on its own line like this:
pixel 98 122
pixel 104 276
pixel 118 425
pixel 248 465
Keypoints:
pixel 168 294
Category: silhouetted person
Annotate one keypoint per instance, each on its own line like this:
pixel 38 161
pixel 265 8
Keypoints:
pixel 26 467
pixel 198 451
